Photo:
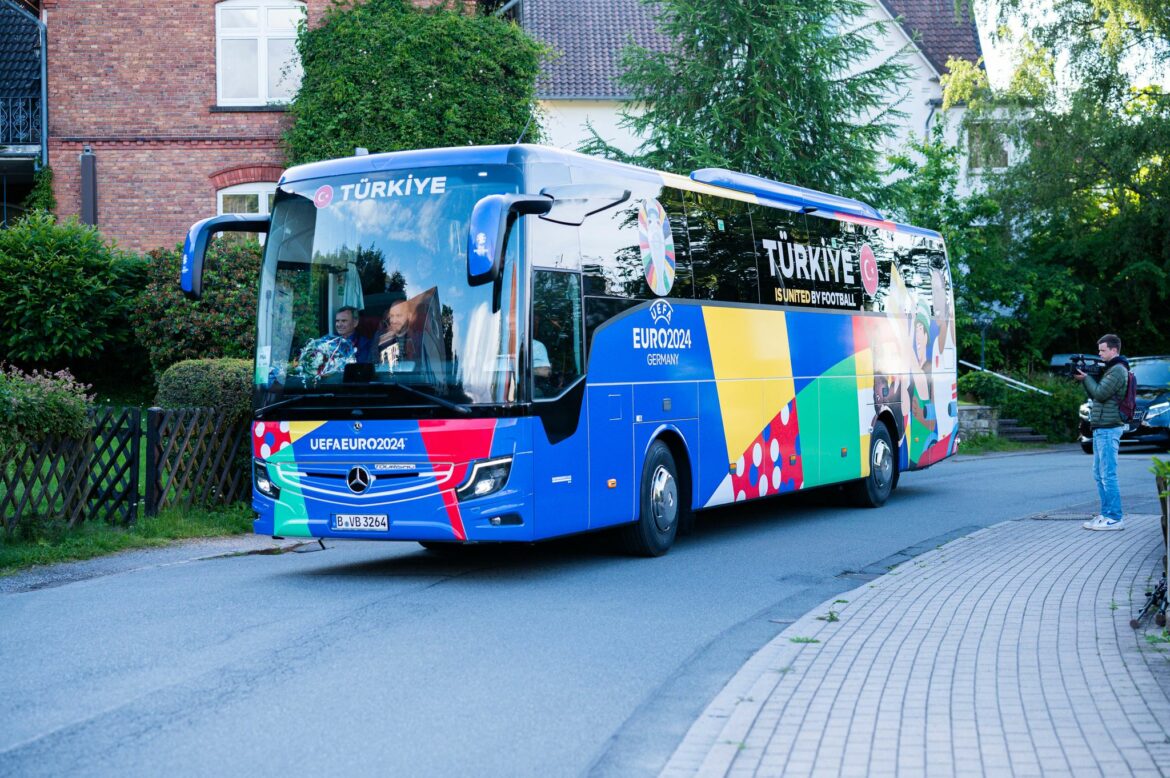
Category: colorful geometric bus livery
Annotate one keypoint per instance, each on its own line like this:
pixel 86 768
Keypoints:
pixel 753 435
pixel 633 340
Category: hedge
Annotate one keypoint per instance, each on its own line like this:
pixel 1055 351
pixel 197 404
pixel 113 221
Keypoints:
pixel 223 384
pixel 67 293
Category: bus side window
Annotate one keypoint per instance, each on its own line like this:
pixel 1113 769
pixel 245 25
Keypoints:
pixel 723 256
pixel 611 243
pixel 552 245
pixel 556 325
pixel 672 203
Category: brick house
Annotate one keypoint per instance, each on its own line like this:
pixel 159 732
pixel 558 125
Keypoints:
pixel 180 104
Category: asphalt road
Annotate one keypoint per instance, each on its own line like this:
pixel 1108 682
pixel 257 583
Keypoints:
pixel 369 658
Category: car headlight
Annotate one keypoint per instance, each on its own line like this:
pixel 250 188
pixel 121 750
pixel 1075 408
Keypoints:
pixel 488 476
pixel 1085 409
pixel 263 483
pixel 1157 409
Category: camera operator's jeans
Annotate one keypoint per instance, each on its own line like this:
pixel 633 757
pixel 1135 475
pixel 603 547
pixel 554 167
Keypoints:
pixel 1106 442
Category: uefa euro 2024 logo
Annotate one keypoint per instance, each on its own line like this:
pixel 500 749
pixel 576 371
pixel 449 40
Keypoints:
pixel 657 246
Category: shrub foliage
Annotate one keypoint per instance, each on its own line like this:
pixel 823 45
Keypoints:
pixel 385 75
pixel 222 324
pixel 66 292
pixel 223 384
pixel 1053 416
pixel 38 405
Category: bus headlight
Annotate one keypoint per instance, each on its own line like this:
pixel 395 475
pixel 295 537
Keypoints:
pixel 487 477
pixel 1157 409
pixel 262 482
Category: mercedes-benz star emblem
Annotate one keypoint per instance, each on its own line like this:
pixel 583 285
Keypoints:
pixel 358 479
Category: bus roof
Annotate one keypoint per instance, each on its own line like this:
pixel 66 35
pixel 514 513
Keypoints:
pixel 735 185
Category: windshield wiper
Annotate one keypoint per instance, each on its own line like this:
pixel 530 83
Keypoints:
pixel 463 410
pixel 259 412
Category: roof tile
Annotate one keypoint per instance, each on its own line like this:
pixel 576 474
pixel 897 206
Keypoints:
pixel 20 64
pixel 587 37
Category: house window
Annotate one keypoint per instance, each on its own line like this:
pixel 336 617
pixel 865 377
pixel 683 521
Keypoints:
pixel 246 198
pixel 256 54
pixel 986 148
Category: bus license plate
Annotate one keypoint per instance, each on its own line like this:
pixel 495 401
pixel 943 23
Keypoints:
pixel 366 522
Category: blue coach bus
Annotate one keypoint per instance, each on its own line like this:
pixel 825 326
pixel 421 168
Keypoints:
pixel 532 343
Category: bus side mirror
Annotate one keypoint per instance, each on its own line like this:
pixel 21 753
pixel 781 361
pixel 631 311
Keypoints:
pixel 195 247
pixel 491 218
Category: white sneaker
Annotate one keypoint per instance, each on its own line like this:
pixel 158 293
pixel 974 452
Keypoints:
pixel 1103 524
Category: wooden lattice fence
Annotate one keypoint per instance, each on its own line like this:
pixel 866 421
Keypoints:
pixel 192 456
pixel 49 480
pixel 195 456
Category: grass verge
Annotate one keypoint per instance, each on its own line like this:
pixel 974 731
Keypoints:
pixel 986 444
pixel 48 542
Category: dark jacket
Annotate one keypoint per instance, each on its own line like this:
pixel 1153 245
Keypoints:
pixel 1107 393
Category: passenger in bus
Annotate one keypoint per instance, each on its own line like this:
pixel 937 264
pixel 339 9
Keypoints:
pixel 393 342
pixel 345 323
pixel 541 369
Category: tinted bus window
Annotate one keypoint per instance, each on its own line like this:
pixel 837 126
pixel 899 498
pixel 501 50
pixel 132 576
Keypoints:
pixel 723 251
pixel 781 237
pixel 611 253
pixel 558 360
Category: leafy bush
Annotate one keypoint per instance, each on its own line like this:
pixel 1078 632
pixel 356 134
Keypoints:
pixel 40 197
pixel 223 384
pixel 1053 416
pixel 66 292
pixel 39 404
pixel 387 76
pixel 222 324
pixel 983 387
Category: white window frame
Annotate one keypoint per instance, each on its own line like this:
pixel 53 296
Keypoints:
pixel 262 35
pixel 263 189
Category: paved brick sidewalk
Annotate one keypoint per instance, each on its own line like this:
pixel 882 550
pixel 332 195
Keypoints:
pixel 1007 652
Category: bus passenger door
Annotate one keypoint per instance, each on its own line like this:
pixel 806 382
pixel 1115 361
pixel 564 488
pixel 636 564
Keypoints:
pixel 560 437
pixel 612 479
pixel 559 466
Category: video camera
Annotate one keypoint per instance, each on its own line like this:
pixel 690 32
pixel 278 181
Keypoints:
pixel 1087 364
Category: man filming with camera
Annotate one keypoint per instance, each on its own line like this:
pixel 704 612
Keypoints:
pixel 1107 426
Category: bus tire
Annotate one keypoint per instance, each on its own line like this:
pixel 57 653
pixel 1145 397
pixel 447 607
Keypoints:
pixel 659 505
pixel 873 490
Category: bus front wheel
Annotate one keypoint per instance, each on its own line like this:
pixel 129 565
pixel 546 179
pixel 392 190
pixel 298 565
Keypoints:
pixel 660 505
pixel 873 490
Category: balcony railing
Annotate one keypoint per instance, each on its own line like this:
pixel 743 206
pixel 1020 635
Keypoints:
pixel 20 121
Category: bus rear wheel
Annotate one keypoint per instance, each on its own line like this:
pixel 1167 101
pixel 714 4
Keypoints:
pixel 873 490
pixel 661 507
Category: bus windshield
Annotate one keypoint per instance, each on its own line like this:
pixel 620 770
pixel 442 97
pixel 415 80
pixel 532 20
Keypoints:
pixel 364 296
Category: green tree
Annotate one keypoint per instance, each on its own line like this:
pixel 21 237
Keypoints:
pixel 1086 203
pixel 924 192
pixel 769 87
pixel 384 75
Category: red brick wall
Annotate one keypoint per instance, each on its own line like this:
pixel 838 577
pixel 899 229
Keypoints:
pixel 135 80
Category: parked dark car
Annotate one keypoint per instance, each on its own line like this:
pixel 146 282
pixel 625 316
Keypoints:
pixel 1151 421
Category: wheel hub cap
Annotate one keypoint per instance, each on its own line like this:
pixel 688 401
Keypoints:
pixel 882 464
pixel 663 499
